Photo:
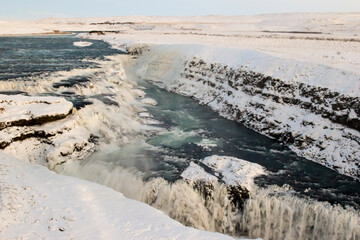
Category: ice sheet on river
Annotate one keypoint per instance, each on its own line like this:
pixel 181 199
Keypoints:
pixel 82 44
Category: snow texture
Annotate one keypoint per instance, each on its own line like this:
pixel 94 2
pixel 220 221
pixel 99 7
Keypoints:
pixel 24 110
pixel 231 170
pixel 38 204
pixel 195 172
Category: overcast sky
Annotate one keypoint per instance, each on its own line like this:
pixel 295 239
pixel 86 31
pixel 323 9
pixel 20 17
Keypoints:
pixel 34 9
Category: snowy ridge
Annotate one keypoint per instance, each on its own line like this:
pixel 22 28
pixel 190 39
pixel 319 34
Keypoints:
pixel 36 203
pixel 195 172
pixel 234 171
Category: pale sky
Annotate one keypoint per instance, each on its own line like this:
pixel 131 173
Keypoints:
pixel 35 9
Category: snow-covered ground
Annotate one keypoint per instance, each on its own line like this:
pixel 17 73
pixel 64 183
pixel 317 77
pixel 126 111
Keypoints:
pixel 22 110
pixel 330 39
pixel 36 203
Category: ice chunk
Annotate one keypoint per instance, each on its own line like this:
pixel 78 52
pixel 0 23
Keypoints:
pixel 82 44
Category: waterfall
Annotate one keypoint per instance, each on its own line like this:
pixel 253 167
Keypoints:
pixel 212 210
pixel 282 216
pixel 267 214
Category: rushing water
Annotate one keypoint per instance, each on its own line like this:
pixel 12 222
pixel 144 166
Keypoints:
pixel 150 171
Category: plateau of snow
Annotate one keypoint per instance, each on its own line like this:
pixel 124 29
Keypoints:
pixel 19 110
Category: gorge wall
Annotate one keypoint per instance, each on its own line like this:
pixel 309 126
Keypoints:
pixel 313 109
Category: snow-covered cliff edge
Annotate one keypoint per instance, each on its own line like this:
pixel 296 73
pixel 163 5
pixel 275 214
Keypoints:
pixel 314 109
pixel 36 203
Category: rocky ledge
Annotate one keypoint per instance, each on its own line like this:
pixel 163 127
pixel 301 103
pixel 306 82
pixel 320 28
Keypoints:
pixel 18 110
pixel 42 124
pixel 317 123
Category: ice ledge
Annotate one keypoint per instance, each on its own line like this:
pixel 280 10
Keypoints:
pixel 19 110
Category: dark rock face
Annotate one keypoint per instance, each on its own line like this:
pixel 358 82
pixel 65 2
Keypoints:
pixel 34 121
pixel 236 194
pixel 25 134
pixel 73 81
pixel 97 32
pixel 102 32
pixel 137 50
pixel 317 123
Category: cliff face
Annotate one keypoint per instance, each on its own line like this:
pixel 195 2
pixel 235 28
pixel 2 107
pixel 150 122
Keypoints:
pixel 315 121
